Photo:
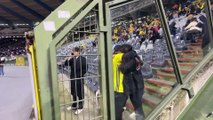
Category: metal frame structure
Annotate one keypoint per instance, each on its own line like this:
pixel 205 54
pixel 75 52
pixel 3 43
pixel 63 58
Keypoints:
pixel 47 7
pixel 39 16
pixel 182 81
pixel 46 47
pixel 47 40
pixel 17 15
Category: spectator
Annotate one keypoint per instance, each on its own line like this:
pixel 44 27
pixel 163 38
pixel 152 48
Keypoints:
pixel 78 69
pixel 2 60
pixel 133 79
pixel 120 97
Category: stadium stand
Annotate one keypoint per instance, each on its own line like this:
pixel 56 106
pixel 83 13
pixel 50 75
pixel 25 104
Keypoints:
pixel 146 35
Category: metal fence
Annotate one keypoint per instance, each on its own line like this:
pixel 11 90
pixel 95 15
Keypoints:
pixel 78 76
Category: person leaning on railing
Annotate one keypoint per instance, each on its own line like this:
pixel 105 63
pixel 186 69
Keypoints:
pixel 29 36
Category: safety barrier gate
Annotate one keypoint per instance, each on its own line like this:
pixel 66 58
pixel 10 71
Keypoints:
pixel 84 28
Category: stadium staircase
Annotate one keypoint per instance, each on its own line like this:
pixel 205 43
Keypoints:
pixel 164 79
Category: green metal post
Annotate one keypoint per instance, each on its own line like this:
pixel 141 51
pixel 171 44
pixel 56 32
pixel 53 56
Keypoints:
pixel 172 51
pixel 43 37
pixel 209 22
pixel 210 52
pixel 103 51
pixel 108 43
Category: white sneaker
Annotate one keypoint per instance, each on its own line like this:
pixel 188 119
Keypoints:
pixel 78 111
pixel 132 116
pixel 135 116
pixel 71 108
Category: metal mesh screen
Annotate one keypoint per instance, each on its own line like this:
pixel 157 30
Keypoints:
pixel 78 71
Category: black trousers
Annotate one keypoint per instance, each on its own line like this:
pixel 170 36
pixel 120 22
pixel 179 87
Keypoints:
pixel 77 92
pixel 136 99
pixel 120 102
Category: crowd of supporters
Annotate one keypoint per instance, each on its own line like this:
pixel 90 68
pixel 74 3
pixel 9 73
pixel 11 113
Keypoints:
pixel 149 27
pixel 12 47
pixel 6 31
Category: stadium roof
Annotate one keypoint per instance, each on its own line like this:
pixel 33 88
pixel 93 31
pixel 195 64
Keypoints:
pixel 25 13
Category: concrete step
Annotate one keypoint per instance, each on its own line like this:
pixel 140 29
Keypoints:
pixel 167 75
pixel 196 44
pixel 159 82
pixel 182 54
pixel 184 65
pixel 147 109
pixel 170 69
pixel 192 51
pixel 151 100
pixel 156 90
pixel 148 100
pixel 195 47
pixel 189 59
pixel 187 64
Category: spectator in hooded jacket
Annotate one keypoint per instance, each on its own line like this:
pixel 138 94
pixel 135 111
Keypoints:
pixel 120 97
pixel 133 79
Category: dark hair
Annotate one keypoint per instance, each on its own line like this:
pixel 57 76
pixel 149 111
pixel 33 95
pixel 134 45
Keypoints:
pixel 126 48
pixel 117 48
pixel 77 49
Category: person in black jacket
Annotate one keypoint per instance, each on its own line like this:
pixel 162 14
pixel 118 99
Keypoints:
pixel 78 69
pixel 133 79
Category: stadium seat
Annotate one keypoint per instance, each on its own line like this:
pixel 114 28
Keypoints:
pixel 147 71
pixel 159 61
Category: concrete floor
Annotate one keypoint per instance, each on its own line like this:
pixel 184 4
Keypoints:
pixel 91 109
pixel 16 94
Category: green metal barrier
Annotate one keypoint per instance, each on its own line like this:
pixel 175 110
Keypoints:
pixel 64 24
pixel 201 107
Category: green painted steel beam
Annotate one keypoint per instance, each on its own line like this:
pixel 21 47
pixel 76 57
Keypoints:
pixel 61 35
pixel 43 37
pixel 169 41
pixel 209 21
pixel 107 108
pixel 108 44
pixel 201 104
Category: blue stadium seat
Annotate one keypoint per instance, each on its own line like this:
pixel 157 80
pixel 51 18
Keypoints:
pixel 159 61
pixel 147 71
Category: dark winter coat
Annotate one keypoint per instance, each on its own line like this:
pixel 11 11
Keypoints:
pixel 78 69
pixel 131 68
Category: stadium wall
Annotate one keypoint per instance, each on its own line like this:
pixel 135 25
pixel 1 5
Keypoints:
pixel 182 99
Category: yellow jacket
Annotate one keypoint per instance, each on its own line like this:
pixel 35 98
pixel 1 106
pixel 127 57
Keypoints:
pixel 117 75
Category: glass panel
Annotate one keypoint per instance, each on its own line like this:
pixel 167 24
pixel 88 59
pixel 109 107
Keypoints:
pixel 138 25
pixel 78 71
pixel 189 31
